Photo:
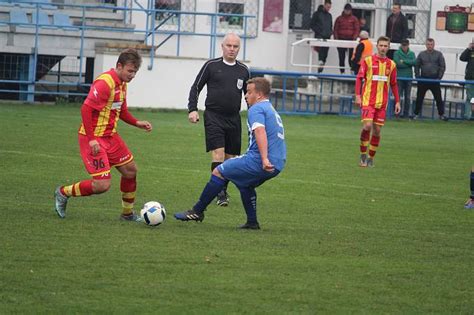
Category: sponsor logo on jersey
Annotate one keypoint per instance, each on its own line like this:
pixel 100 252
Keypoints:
pixel 116 105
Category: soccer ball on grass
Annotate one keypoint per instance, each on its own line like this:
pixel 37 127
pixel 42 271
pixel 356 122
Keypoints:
pixel 153 213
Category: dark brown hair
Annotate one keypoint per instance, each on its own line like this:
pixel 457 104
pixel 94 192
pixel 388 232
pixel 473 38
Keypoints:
pixel 383 39
pixel 131 56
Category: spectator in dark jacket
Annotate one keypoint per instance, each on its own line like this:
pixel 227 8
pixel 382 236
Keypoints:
pixel 346 27
pixel 397 27
pixel 430 64
pixel 321 24
pixel 468 56
pixel 363 25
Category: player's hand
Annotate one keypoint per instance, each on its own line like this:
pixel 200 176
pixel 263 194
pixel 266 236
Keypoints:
pixel 193 117
pixel 95 147
pixel 397 108
pixel 143 124
pixel 358 101
pixel 267 166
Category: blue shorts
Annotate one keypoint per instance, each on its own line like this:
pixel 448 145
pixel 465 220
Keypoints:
pixel 244 171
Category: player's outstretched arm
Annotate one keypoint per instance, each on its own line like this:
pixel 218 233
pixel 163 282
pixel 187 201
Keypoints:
pixel 262 144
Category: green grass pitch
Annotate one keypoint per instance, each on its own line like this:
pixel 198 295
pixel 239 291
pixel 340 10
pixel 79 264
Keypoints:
pixel 335 238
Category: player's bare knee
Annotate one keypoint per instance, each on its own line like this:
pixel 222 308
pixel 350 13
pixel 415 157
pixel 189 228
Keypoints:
pixel 216 172
pixel 100 186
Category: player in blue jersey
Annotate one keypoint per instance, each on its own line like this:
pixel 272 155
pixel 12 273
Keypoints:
pixel 265 157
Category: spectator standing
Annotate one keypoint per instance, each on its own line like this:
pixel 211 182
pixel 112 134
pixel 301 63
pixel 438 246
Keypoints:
pixel 468 56
pixel 363 25
pixel 321 24
pixel 405 60
pixel 364 49
pixel 226 80
pixel 346 27
pixel 430 64
pixel 397 27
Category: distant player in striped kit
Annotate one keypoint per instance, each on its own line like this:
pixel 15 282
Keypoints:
pixel 378 73
pixel 100 145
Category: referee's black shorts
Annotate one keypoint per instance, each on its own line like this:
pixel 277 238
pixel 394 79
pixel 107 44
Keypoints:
pixel 223 132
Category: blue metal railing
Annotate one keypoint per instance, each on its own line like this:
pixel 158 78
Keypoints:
pixel 150 31
pixel 289 98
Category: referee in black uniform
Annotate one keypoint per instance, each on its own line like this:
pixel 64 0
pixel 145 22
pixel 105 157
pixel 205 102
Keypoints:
pixel 226 80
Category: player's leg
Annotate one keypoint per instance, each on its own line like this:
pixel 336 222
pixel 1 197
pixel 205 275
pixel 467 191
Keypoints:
pixel 470 202
pixel 121 157
pixel 97 166
pixel 367 116
pixel 249 195
pixel 233 143
pixel 215 143
pixel 213 187
pixel 128 189
pixel 378 122
pixel 249 201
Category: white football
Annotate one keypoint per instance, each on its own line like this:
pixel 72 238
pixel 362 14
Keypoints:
pixel 153 213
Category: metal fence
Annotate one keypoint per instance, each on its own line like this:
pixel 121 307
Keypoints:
pixel 39 76
pixel 304 93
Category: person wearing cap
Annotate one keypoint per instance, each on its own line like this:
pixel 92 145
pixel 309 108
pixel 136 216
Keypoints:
pixel 468 56
pixel 397 27
pixel 363 50
pixel 346 27
pixel 405 60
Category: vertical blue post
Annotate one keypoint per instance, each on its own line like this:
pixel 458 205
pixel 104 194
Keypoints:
pixel 245 38
pixel 178 40
pixel 152 49
pixel 30 97
pixel 81 52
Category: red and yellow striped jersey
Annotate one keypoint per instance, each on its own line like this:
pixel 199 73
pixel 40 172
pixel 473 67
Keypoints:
pixel 378 73
pixel 106 98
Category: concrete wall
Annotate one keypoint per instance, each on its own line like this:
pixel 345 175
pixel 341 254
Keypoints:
pixel 167 84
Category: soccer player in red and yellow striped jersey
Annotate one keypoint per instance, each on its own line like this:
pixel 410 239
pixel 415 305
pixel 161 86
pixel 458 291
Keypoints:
pixel 378 73
pixel 100 145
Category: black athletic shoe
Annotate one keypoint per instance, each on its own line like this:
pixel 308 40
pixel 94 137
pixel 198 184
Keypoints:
pixel 250 226
pixel 190 215
pixel 222 199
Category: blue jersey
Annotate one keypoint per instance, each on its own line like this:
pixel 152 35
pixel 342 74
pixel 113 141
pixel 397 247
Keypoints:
pixel 263 114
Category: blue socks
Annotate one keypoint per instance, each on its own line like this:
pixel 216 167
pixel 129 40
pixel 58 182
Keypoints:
pixel 249 200
pixel 472 185
pixel 213 187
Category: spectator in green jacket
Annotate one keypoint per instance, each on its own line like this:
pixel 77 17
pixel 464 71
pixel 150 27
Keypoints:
pixel 468 56
pixel 405 60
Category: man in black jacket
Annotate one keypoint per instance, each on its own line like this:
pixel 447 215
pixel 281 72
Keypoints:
pixel 397 27
pixel 468 56
pixel 321 24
